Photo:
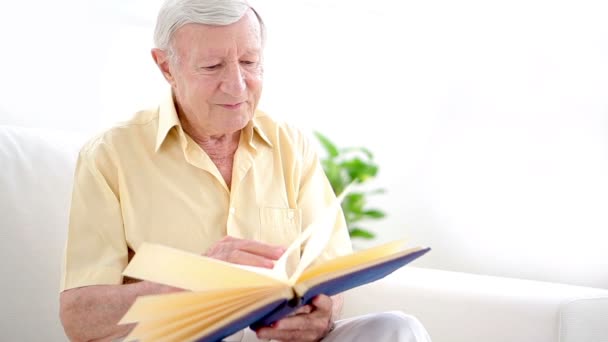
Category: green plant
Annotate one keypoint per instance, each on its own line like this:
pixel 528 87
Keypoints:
pixel 344 166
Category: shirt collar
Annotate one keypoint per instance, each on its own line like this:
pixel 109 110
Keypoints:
pixel 167 119
pixel 254 131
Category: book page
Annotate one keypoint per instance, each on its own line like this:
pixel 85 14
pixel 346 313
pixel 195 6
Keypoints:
pixel 274 272
pixel 334 280
pixel 196 322
pixel 352 260
pixel 181 323
pixel 155 307
pixel 226 319
pixel 173 267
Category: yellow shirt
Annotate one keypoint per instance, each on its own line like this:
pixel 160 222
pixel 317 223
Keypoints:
pixel 147 180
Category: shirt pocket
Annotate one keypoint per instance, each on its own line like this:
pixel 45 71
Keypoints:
pixel 280 227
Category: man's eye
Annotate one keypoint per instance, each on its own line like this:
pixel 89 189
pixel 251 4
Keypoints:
pixel 211 67
pixel 248 62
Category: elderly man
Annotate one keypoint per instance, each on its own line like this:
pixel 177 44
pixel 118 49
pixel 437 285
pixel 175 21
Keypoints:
pixel 204 172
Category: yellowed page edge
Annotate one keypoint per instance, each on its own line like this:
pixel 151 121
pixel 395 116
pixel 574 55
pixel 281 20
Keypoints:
pixel 204 325
pixel 310 282
pixel 286 293
pixel 159 306
pixel 195 272
pixel 155 329
pixel 181 324
pixel 353 259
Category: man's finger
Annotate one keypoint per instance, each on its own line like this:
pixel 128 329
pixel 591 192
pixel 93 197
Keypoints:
pixel 260 248
pixel 297 322
pixel 323 303
pixel 316 320
pixel 249 259
pixel 306 309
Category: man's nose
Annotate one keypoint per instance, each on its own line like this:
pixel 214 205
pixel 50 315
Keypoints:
pixel 233 82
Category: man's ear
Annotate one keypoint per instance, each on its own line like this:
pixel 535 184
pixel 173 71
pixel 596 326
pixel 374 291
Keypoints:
pixel 162 61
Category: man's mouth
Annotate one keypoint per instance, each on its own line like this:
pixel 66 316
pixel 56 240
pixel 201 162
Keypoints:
pixel 232 106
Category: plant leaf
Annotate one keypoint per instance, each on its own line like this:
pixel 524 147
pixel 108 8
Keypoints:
pixel 359 170
pixel 354 202
pixel 331 149
pixel 361 233
pixel 334 174
pixel 345 166
pixel 374 213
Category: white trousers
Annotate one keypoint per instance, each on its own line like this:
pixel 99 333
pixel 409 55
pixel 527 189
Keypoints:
pixel 393 326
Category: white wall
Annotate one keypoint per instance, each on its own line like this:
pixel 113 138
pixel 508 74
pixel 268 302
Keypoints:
pixel 489 118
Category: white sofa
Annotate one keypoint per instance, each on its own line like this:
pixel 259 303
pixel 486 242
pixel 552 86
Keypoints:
pixel 35 185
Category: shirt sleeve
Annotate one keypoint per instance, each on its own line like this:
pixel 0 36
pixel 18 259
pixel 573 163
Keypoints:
pixel 96 251
pixel 314 196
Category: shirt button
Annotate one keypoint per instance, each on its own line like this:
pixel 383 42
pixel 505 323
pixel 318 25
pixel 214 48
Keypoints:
pixel 232 210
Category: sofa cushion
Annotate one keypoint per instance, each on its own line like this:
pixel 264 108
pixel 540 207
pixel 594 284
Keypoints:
pixel 463 307
pixel 35 190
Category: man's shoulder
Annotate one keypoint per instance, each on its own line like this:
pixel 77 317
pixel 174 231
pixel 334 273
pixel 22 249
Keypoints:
pixel 140 128
pixel 279 131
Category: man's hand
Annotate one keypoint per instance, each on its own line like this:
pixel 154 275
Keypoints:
pixel 245 252
pixel 310 323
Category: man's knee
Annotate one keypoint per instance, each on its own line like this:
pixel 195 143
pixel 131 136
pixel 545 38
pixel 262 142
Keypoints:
pixel 401 327
pixel 386 326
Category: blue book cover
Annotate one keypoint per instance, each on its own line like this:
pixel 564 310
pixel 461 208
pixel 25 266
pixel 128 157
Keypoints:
pixel 272 312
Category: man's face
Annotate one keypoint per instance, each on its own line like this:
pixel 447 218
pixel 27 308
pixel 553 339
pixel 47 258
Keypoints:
pixel 217 74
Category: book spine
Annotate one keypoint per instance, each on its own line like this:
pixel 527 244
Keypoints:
pixel 285 309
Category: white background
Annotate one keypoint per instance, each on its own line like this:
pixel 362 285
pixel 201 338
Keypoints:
pixel 489 119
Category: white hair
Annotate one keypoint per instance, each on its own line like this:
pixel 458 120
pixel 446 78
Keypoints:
pixel 177 13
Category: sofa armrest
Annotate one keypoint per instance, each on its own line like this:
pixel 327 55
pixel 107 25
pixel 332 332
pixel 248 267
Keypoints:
pixel 584 320
pixel 461 307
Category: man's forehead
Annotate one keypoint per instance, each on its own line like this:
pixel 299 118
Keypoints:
pixel 210 53
pixel 245 33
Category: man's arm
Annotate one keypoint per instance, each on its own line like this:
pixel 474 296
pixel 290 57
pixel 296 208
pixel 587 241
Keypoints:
pixel 91 313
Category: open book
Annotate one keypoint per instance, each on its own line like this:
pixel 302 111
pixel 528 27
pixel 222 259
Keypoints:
pixel 225 298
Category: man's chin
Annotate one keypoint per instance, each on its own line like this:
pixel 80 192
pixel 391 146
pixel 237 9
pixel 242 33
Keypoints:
pixel 238 123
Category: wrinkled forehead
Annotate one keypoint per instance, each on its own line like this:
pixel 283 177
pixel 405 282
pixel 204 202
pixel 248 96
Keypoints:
pixel 249 28
pixel 243 36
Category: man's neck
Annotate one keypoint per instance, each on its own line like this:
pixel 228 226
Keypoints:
pixel 218 147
